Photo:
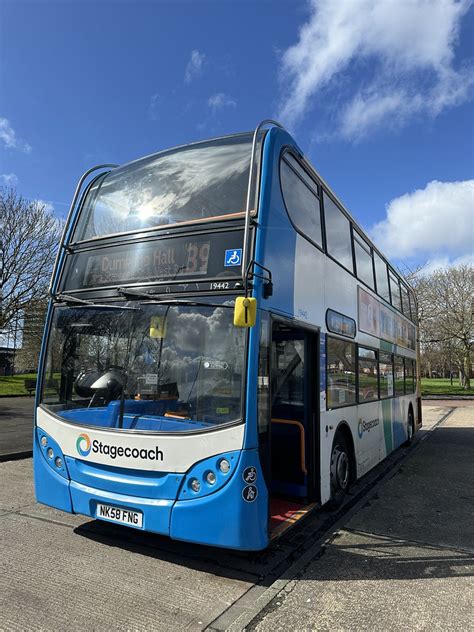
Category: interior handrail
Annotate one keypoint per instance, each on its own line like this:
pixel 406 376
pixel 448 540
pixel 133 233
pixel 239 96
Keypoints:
pixel 293 422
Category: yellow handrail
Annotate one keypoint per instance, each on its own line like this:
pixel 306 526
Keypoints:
pixel 293 422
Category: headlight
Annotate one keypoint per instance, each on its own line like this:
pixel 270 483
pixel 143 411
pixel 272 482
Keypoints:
pixel 195 485
pixel 224 466
pixel 211 478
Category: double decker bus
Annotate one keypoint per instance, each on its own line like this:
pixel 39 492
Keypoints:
pixel 225 349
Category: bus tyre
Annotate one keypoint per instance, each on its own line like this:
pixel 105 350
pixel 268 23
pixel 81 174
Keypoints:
pixel 340 471
pixel 410 427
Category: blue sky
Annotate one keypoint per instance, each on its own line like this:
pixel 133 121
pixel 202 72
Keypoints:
pixel 378 93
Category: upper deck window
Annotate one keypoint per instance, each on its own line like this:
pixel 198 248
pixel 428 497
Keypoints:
pixel 381 277
pixel 301 199
pixel 338 233
pixel 405 300
pixel 363 256
pixel 395 291
pixel 196 182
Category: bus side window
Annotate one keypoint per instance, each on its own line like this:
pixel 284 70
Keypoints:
pixel 414 315
pixel 338 234
pixel 395 291
pixel 405 301
pixel 399 375
pixel 301 200
pixel 363 257
pixel 409 376
pixel 368 389
pixel 381 276
pixel 386 375
pixel 341 372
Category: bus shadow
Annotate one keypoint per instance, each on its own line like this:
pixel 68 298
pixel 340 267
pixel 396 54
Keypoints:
pixel 244 566
pixel 358 556
pixel 393 534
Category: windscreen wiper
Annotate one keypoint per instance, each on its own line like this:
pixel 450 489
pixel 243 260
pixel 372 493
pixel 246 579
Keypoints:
pixel 80 302
pixel 155 300
pixel 67 298
pixel 182 301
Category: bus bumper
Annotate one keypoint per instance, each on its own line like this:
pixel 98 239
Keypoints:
pixel 156 512
pixel 235 516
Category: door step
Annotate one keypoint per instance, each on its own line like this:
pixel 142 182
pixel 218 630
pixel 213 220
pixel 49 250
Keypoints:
pixel 285 513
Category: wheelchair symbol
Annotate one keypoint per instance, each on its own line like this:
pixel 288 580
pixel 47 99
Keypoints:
pixel 250 475
pixel 233 257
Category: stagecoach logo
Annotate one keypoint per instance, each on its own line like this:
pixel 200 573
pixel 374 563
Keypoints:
pixel 83 444
pixel 365 426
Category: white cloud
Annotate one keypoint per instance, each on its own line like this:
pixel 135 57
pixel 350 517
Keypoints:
pixel 221 100
pixel 48 206
pixel 445 262
pixel 9 179
pixel 194 66
pixel 435 223
pixel 9 138
pixel 405 50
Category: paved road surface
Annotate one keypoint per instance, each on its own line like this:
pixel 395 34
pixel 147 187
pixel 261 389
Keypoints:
pixel 405 561
pixel 16 425
pixel 400 557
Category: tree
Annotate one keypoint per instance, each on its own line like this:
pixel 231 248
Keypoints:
pixel 29 235
pixel 445 305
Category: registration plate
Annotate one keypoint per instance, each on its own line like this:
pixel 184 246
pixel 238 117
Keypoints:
pixel 122 516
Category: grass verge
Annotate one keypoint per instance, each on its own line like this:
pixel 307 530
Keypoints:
pixel 14 384
pixel 441 386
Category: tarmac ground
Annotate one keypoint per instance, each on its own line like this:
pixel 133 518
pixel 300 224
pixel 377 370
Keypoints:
pixel 16 426
pixel 398 555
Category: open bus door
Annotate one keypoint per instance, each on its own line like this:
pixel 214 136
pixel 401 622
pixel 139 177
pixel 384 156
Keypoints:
pixel 294 427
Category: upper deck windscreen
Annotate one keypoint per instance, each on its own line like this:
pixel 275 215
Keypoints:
pixel 194 182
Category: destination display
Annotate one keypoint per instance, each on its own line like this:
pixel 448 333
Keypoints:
pixel 381 321
pixel 340 324
pixel 193 258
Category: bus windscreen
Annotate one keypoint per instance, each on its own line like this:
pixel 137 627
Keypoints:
pixel 156 368
pixel 196 182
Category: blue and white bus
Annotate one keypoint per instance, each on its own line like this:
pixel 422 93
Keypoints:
pixel 225 349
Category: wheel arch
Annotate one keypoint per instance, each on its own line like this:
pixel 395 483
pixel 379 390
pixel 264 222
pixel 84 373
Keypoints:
pixel 344 429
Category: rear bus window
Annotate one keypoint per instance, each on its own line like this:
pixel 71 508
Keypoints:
pixel 341 373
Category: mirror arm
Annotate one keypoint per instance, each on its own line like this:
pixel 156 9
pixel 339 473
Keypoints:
pixel 250 274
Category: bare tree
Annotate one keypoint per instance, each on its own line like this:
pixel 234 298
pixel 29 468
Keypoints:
pixel 445 304
pixel 29 234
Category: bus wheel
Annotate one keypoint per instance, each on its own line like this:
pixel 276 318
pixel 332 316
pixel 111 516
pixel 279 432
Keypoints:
pixel 410 427
pixel 340 471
